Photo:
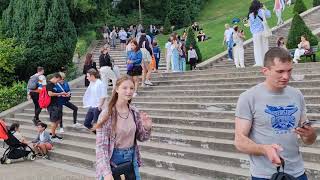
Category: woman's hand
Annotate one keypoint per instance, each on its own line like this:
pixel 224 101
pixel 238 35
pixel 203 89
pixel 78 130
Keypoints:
pixel 108 177
pixel 146 121
pixel 129 62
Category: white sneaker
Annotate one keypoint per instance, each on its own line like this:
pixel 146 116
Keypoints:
pixel 61 130
pixel 135 94
pixel 147 82
pixel 76 125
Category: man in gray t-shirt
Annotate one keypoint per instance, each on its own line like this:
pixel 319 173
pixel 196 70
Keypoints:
pixel 268 117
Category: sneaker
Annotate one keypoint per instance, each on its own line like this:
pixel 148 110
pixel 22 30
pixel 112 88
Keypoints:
pixel 56 137
pixel 77 125
pixel 36 121
pixel 135 94
pixel 39 155
pixel 61 130
pixel 147 82
pixel 46 157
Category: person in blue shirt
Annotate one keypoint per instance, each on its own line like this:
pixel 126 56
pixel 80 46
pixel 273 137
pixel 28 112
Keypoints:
pixel 63 86
pixel 134 68
pixel 156 53
pixel 257 17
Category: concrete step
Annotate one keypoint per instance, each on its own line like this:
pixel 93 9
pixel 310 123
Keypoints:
pixel 196 99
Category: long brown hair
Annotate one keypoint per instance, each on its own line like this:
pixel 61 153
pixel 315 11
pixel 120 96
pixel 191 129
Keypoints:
pixel 112 110
pixel 136 44
pixel 88 60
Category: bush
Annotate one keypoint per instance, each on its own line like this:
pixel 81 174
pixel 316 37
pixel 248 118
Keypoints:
pixel 316 3
pixel 191 39
pixel 10 54
pixel 299 7
pixel 12 96
pixel 297 29
pixel 167 26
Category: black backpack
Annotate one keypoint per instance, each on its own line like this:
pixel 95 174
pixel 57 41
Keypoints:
pixel 282 175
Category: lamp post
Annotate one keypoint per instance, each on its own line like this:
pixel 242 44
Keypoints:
pixel 140 15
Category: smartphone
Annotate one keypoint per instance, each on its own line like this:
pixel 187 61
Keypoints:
pixel 308 123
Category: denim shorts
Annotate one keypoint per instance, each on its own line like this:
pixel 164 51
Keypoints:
pixel 124 155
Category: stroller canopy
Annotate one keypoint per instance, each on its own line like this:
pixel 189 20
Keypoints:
pixel 3 130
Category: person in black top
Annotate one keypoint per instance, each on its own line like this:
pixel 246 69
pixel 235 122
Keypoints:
pixel 88 64
pixel 55 111
pixel 106 67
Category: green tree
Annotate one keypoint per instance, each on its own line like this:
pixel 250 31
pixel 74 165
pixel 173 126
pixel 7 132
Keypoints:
pixel 167 26
pixel 10 54
pixel 191 40
pixel 187 20
pixel 299 7
pixel 316 3
pixel 297 29
pixel 45 27
pixel 3 5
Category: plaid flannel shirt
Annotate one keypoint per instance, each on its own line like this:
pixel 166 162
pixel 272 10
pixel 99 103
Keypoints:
pixel 105 142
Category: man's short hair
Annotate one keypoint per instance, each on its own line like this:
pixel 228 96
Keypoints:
pixel 57 75
pixel 39 69
pixel 276 52
pixel 93 72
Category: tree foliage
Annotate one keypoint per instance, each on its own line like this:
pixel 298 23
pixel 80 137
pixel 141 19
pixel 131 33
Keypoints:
pixel 191 40
pixel 299 7
pixel 167 26
pixel 44 26
pixel 3 5
pixel 11 54
pixel 316 3
pixel 299 28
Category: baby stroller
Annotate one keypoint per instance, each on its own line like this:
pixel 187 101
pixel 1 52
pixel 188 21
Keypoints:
pixel 16 149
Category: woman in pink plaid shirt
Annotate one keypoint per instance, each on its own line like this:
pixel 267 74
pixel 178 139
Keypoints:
pixel 118 129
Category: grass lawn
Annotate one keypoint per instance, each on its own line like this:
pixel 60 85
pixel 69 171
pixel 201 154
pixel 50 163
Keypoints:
pixel 217 13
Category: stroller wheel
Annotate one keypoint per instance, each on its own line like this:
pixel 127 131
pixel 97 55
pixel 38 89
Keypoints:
pixel 2 160
pixel 7 161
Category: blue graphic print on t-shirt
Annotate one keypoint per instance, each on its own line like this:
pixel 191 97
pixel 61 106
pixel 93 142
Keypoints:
pixel 283 120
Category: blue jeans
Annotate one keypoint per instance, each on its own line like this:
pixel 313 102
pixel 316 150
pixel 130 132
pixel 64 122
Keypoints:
pixel 92 115
pixel 230 46
pixel 124 155
pixel 302 177
pixel 182 63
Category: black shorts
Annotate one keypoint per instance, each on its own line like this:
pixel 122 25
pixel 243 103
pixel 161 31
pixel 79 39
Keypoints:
pixel 193 61
pixel 123 41
pixel 55 113
pixel 136 71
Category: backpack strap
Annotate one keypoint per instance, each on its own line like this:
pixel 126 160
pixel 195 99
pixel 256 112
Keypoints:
pixel 282 165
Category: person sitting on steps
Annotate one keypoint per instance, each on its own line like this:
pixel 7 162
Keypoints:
pixel 303 48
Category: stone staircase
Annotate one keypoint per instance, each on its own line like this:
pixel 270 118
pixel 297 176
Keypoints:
pixel 119 57
pixel 193 115
pixel 311 18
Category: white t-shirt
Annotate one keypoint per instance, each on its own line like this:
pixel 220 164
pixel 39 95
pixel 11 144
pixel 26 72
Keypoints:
pixel 123 35
pixel 228 34
pixel 168 48
pixel 94 93
pixel 41 137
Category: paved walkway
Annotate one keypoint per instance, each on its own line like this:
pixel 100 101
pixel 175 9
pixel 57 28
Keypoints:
pixel 42 170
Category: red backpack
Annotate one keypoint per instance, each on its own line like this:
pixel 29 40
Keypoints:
pixel 44 98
